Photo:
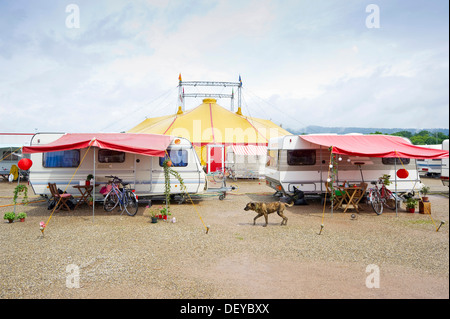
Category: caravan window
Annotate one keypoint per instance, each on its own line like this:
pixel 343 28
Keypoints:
pixel 178 157
pixel 61 159
pixel 396 160
pixel 272 158
pixel 301 157
pixel 109 156
pixel 10 156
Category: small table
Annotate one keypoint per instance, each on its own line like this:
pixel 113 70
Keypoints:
pixel 85 192
pixel 352 196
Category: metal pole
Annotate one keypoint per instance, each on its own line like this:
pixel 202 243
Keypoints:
pixel 395 198
pixel 93 191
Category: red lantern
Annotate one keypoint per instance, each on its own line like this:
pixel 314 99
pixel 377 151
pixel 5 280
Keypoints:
pixel 25 164
pixel 402 173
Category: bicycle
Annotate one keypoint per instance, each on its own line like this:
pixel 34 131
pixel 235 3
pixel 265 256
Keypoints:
pixel 220 174
pixel 379 197
pixel 124 197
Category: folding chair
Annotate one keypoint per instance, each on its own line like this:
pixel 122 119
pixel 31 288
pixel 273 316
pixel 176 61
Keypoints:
pixel 361 194
pixel 338 196
pixel 62 198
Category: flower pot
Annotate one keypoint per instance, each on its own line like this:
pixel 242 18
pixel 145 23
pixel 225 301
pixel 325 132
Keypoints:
pixel 88 183
pixel 22 220
pixel 412 210
pixel 165 217
pixel 154 220
pixel 160 216
pixel 425 199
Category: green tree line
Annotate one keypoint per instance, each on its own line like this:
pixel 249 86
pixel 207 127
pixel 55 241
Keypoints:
pixel 421 138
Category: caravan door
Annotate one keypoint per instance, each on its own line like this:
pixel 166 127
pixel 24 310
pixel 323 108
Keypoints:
pixel 143 174
pixel 215 157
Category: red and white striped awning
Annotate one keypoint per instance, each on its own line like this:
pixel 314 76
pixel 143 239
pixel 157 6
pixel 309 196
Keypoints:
pixel 249 149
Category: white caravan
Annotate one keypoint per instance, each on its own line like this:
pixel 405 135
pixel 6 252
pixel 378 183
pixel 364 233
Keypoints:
pixel 444 173
pixel 430 167
pixel 11 151
pixel 292 161
pixel 144 173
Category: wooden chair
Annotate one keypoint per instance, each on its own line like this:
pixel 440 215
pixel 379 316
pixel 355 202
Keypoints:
pixel 361 193
pixel 61 198
pixel 338 196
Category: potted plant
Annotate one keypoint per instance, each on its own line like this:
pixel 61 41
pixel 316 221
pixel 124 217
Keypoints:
pixel 10 216
pixel 90 201
pixel 22 216
pixel 164 212
pixel 424 192
pixel 386 180
pixel 411 204
pixel 88 179
pixel 154 218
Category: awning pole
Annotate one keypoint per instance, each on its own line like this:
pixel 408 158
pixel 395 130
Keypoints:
pixel 93 191
pixel 395 197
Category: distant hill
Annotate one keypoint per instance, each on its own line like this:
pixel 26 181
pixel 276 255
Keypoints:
pixel 313 129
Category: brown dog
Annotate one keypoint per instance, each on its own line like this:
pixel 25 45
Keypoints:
pixel 264 209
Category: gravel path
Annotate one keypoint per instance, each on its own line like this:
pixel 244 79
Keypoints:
pixel 128 257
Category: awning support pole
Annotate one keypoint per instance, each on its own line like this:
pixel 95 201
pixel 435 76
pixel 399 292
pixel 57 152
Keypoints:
pixel 395 197
pixel 93 190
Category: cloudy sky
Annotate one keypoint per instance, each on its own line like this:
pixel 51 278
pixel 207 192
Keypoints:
pixel 110 64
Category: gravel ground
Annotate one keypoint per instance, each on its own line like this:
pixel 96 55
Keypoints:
pixel 129 257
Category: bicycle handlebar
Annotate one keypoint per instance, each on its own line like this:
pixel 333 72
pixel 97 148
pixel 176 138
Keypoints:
pixel 115 178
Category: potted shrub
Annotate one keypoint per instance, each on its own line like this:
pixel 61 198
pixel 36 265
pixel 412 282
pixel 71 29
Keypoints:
pixel 88 179
pixel 424 192
pixel 10 216
pixel 90 201
pixel 411 204
pixel 21 216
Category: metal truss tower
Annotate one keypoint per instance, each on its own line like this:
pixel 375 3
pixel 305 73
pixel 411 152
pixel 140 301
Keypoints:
pixel 182 95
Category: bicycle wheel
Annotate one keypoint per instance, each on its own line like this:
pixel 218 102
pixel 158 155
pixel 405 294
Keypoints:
pixel 388 199
pixel 218 176
pixel 110 202
pixel 131 203
pixel 376 203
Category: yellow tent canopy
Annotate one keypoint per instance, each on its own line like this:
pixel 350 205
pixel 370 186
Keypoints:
pixel 210 123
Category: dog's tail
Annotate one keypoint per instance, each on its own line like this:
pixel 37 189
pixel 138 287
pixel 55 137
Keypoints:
pixel 290 204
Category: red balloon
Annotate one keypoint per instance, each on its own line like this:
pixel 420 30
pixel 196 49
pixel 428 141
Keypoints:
pixel 25 164
pixel 402 173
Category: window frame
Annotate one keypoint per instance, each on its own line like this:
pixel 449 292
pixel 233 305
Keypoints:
pixel 184 157
pixel 112 156
pixel 45 159
pixel 395 160
pixel 309 163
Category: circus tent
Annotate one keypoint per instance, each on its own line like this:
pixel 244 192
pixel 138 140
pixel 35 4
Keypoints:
pixel 211 128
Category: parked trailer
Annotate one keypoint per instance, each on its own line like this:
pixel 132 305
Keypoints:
pixel 444 173
pixel 11 151
pixel 294 162
pixel 144 173
pixel 430 167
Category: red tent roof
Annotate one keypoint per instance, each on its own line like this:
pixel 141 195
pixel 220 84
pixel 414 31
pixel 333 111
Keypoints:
pixel 374 146
pixel 145 144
